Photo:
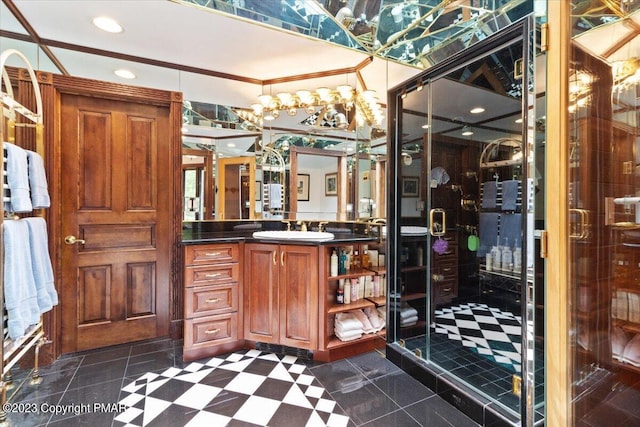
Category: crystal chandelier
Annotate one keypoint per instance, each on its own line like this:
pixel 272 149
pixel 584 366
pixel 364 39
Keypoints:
pixel 367 108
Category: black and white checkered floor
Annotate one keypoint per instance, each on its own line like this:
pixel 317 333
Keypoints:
pixel 243 387
pixel 486 330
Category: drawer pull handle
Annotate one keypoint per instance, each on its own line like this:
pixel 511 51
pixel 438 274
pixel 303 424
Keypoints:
pixel 447 253
pixel 212 331
pixel 446 290
pixel 212 300
pixel 447 269
pixel 213 274
pixel 212 253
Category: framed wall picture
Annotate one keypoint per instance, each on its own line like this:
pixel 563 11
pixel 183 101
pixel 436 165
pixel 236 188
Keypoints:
pixel 303 187
pixel 331 184
pixel 410 186
pixel 258 191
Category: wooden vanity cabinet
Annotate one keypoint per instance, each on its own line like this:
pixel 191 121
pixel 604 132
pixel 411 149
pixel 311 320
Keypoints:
pixel 212 295
pixel 281 294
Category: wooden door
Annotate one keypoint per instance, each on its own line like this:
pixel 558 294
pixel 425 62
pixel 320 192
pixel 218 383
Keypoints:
pixel 261 263
pixel 299 296
pixel 115 279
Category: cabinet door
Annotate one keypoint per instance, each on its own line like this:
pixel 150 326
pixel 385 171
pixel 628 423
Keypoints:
pixel 261 263
pixel 299 296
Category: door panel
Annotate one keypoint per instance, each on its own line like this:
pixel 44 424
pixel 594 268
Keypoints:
pixel 261 292
pixel 116 278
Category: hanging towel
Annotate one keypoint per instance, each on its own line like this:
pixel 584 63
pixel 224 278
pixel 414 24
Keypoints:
pixel 510 195
pixel 38 181
pixel 18 179
pixel 511 229
pixel 489 194
pixel 488 231
pixel 41 263
pixel 275 196
pixel 19 285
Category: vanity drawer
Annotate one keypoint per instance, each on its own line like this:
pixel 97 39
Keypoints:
pixel 445 290
pixel 450 253
pixel 211 254
pixel 208 300
pixel 211 274
pixel 210 330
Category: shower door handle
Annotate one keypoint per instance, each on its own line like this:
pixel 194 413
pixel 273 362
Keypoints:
pixel 432 228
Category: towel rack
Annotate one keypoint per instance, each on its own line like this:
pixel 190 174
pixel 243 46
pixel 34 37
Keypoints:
pixel 11 351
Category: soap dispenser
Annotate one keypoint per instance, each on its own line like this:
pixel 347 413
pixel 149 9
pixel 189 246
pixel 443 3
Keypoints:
pixel 517 257
pixel 507 257
pixel 496 256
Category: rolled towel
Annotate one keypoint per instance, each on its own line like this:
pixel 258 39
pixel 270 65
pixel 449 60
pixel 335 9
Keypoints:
pixel 632 351
pixel 619 341
pixel 376 321
pixel 18 179
pixel 383 313
pixel 408 312
pixel 38 181
pixel 367 328
pixel 348 321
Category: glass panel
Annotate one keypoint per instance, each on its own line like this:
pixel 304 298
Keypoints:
pixel 418 32
pixel 465 250
pixel 604 214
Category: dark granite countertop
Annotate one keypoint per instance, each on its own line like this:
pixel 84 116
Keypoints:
pixel 191 237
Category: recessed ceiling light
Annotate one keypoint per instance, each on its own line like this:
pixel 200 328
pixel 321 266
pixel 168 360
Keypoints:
pixel 425 126
pixel 125 74
pixel 519 120
pixel 477 110
pixel 107 24
pixel 231 145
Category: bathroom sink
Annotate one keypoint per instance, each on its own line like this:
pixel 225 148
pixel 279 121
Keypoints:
pixel 313 236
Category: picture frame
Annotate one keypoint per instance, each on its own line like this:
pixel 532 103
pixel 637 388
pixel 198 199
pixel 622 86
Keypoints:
pixel 410 186
pixel 331 184
pixel 303 187
pixel 258 195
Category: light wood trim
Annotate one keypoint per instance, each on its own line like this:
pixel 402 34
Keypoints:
pixel 220 205
pixel 557 354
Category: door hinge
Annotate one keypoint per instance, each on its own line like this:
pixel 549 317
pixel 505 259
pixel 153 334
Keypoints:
pixel 544 37
pixel 543 244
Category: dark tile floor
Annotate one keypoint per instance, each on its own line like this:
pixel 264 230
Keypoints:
pixel 368 389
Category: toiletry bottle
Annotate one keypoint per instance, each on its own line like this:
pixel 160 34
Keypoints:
pixel 340 296
pixel 517 258
pixel 364 258
pixel 489 261
pixel 354 289
pixel 334 264
pixel 347 291
pixel 419 255
pixel 507 257
pixel 355 260
pixel 342 262
pixel 496 256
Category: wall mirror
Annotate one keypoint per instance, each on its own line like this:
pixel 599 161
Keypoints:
pixel 294 167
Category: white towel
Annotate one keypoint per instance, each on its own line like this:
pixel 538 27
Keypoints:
pixel 347 321
pixel 18 179
pixel 275 196
pixel 38 181
pixel 409 321
pixel 367 328
pixel 348 337
pixel 41 264
pixel 339 330
pixel 632 351
pixel 19 285
pixel 408 312
pixel 376 321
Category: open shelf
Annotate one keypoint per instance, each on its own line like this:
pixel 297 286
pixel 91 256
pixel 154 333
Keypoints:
pixel 334 342
pixel 339 308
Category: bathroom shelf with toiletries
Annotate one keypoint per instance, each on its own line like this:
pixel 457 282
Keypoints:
pixel 354 286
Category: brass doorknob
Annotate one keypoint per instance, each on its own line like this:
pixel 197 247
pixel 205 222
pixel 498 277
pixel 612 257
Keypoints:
pixel 71 240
